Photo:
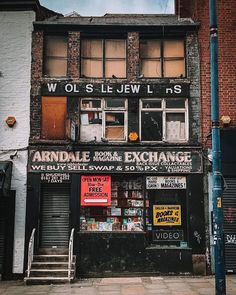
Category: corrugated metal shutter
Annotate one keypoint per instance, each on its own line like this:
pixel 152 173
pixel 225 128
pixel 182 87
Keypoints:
pixel 229 202
pixel 2 233
pixel 54 223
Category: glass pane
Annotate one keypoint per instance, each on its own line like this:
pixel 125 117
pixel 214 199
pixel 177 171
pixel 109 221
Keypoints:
pixel 174 68
pixel 56 67
pixel 174 48
pixel 151 68
pixel 114 119
pixel 151 104
pixel 87 118
pixel 115 49
pixel 151 129
pixel 115 68
pixel 115 103
pixel 175 103
pixel 150 49
pixel 175 127
pixel 91 103
pixel 91 48
pixel 56 46
pixel 91 68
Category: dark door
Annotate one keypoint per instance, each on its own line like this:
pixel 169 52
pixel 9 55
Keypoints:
pixel 54 223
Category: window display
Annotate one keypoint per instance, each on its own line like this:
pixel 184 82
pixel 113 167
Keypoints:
pixel 125 212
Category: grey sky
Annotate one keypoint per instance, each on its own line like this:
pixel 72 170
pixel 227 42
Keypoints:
pixel 100 7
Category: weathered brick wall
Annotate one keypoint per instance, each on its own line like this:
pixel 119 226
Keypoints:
pixel 73 54
pixel 36 77
pixel 226 59
pixel 133 55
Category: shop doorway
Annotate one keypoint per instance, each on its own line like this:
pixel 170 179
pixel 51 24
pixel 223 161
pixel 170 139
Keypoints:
pixel 54 216
pixel 168 216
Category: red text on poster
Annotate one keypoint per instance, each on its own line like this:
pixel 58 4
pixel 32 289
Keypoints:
pixel 95 190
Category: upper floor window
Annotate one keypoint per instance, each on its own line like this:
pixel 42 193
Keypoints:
pixel 103 119
pixel 55 56
pixel 162 58
pixel 103 58
pixel 164 119
pixel 54 114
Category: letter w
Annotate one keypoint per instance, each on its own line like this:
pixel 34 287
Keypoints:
pixel 52 87
pixel 135 88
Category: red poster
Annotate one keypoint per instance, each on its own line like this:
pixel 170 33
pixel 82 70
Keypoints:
pixel 95 190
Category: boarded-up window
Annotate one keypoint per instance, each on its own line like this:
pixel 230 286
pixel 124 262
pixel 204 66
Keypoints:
pixel 150 54
pixel 162 58
pixel 54 112
pixel 103 58
pixel 174 62
pixel 55 58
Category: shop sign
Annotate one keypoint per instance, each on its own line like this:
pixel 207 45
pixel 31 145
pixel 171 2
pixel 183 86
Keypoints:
pixel 166 215
pixel 114 89
pixel 96 190
pixel 167 235
pixel 166 182
pixel 55 177
pixel 110 161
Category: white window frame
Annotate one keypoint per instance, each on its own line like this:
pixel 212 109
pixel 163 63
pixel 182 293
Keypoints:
pixel 103 109
pixel 165 111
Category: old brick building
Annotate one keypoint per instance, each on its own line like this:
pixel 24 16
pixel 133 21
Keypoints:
pixel 199 11
pixel 115 144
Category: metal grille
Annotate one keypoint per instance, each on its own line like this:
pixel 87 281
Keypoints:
pixel 229 202
pixel 2 234
pixel 54 223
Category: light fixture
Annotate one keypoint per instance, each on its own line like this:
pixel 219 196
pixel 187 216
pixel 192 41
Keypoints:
pixel 10 120
pixel 225 120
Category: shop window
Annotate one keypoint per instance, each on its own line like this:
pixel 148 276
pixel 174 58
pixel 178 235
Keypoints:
pixel 55 57
pixel 125 212
pixel 162 58
pixel 167 118
pixel 103 119
pixel 103 58
pixel 54 113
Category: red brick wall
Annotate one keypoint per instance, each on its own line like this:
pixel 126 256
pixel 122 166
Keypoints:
pixel 226 54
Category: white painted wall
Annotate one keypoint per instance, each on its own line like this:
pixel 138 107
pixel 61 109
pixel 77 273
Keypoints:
pixel 15 66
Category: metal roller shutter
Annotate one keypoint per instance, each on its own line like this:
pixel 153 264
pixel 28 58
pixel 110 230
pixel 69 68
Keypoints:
pixel 54 223
pixel 229 202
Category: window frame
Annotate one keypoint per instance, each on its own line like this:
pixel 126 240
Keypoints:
pixel 165 111
pixel 162 58
pixel 103 58
pixel 103 109
pixel 46 58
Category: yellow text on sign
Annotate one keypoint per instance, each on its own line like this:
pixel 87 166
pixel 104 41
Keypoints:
pixel 166 215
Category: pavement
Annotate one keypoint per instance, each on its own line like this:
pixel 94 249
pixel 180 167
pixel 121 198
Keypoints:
pixel 167 285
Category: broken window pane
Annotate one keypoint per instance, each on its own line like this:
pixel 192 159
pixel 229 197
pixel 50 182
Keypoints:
pixel 175 127
pixel 175 103
pixel 115 103
pixel 151 104
pixel 151 129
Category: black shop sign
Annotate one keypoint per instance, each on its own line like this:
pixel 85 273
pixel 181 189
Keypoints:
pixel 167 235
pixel 116 89
pixel 116 161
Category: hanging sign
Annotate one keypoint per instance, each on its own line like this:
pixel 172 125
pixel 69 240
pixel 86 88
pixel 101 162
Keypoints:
pixel 166 215
pixel 166 182
pixel 96 190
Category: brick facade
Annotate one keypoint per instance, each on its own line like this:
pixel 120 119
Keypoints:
pixel 199 11
pixel 133 55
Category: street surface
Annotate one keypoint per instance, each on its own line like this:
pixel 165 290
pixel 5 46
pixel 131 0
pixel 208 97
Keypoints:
pixel 123 286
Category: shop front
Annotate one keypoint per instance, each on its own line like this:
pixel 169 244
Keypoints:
pixel 134 209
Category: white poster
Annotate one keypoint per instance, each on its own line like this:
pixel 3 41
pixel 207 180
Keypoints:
pixel 166 182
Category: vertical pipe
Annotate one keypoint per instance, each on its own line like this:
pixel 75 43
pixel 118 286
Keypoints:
pixel 218 231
